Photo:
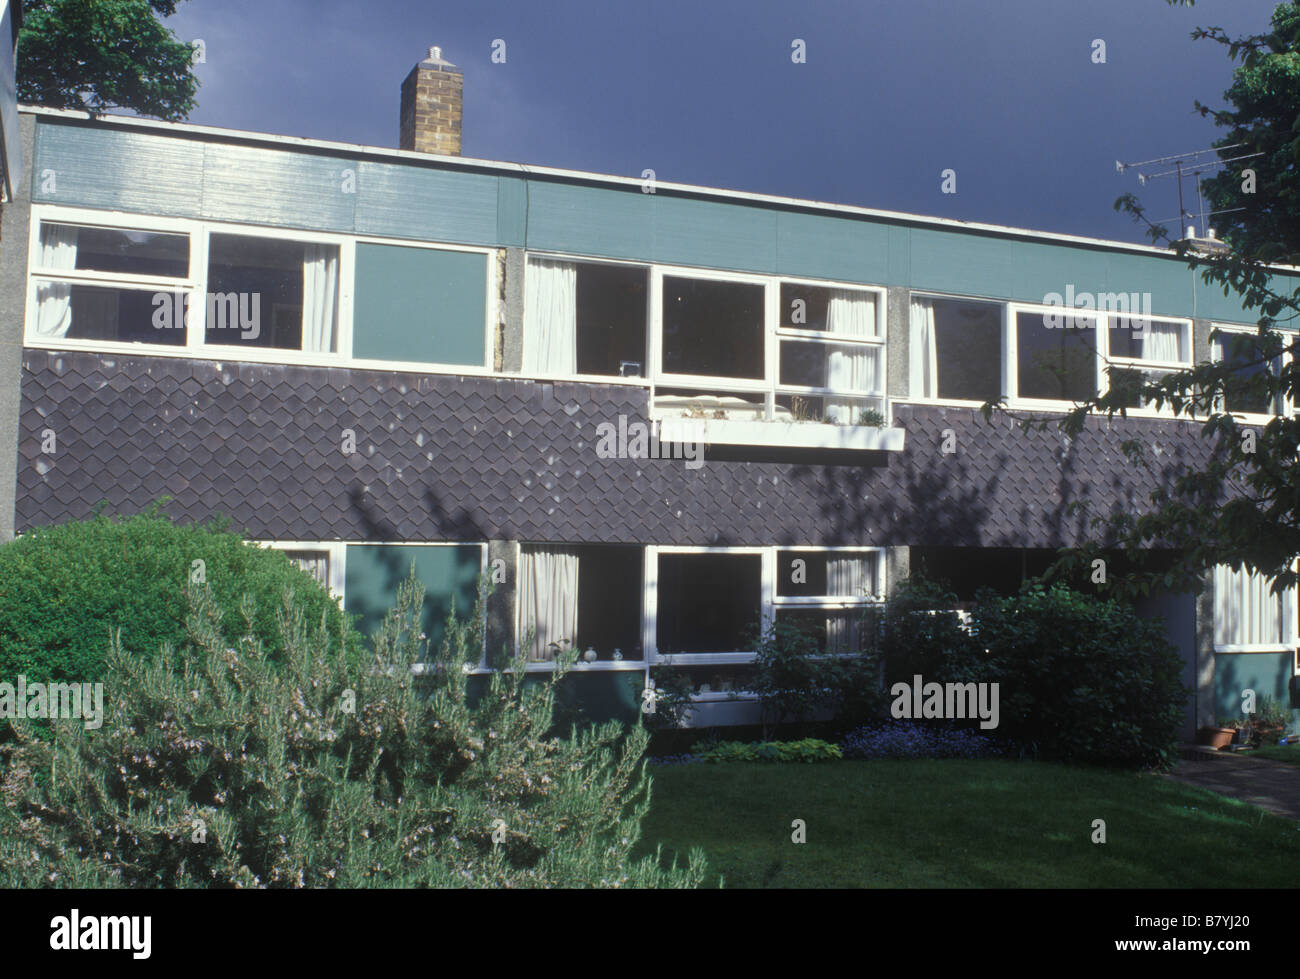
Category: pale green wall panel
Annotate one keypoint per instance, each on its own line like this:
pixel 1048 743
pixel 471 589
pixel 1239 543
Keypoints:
pixel 590 220
pixel 848 250
pixel 716 234
pixel 374 572
pixel 512 211
pixel 277 187
pixel 117 170
pixel 410 201
pixel 421 305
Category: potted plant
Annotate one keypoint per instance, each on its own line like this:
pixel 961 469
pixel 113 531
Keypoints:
pixel 1217 736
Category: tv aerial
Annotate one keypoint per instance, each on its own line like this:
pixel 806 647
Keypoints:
pixel 1194 164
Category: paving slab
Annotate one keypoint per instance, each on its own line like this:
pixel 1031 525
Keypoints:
pixel 1271 785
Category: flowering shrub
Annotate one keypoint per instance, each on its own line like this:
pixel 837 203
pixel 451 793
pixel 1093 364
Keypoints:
pixel 909 739
pixel 807 750
pixel 215 768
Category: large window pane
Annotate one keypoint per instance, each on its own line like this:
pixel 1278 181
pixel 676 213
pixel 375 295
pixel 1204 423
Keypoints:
pixel 266 292
pixel 956 349
pixel 1056 363
pixel 611 314
pixel 713 328
pixel 1246 390
pixel 708 603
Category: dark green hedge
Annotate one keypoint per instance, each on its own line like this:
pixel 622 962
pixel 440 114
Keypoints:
pixel 62 588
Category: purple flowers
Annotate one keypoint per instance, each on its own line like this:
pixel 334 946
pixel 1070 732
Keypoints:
pixel 912 739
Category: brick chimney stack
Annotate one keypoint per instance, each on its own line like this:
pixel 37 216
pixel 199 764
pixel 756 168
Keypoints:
pixel 431 106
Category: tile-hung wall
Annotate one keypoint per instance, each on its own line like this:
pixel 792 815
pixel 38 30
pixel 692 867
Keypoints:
pixel 482 458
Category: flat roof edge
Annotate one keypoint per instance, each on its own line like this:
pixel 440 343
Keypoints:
pixel 520 169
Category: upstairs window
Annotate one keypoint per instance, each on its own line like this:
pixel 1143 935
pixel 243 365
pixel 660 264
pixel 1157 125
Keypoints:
pixel 1055 362
pixel 1246 390
pixel 584 318
pixel 713 328
pixel 1142 351
pixel 113 284
pixel 735 349
pixel 956 349
pixel 269 292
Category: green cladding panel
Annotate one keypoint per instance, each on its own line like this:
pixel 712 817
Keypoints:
pixel 448 572
pixel 423 305
pixel 1266 673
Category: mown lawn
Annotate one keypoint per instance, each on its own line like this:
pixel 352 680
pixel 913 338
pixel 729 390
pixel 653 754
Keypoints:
pixel 1289 753
pixel 930 823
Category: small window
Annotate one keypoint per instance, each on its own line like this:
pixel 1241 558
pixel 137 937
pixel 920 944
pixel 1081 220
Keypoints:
pixel 834 575
pixel 1056 363
pixel 956 349
pixel 266 292
pixel 1151 340
pixel 315 563
pixel 129 253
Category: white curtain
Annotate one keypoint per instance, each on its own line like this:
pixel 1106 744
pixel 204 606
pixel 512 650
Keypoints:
pixel 923 353
pixel 315 563
pixel 1162 341
pixel 320 277
pixel 850 314
pixel 548 599
pixel 1248 613
pixel 847 577
pixel 54 299
pixel 550 317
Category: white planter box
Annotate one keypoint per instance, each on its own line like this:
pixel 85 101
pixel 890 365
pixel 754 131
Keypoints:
pixel 804 435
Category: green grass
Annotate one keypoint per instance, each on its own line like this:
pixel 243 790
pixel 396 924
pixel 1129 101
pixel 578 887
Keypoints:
pixel 930 823
pixel 1289 753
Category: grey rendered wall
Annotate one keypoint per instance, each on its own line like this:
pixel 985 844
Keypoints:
pixel 14 223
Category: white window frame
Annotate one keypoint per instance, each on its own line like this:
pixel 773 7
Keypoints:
pixel 1148 367
pixel 1010 383
pixel 599 666
pixel 338 551
pixel 195 285
pixel 769 601
pixel 975 300
pixel 644 380
pixel 1289 643
pixel 1247 417
pixel 1011 351
pixel 769 386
